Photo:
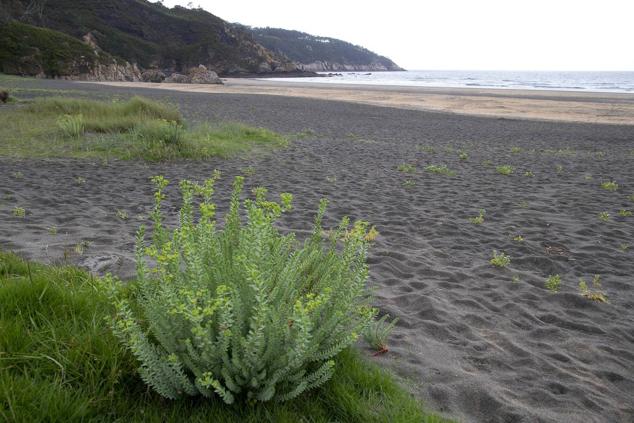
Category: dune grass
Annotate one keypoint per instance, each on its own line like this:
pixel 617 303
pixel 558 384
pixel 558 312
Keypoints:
pixel 134 129
pixel 60 362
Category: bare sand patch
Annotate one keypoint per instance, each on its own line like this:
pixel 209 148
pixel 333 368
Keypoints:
pixel 610 108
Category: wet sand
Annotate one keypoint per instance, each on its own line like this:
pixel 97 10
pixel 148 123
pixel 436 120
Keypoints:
pixel 474 342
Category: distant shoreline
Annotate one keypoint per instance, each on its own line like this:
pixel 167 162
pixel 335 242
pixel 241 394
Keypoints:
pixel 548 105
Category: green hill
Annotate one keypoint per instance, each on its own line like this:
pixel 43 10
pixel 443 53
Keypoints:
pixel 137 31
pixel 314 53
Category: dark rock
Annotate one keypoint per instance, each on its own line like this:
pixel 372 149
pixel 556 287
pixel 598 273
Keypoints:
pixel 4 96
pixel 152 75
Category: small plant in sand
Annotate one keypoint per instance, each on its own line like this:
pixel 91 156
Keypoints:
pixel 604 216
pixel 588 177
pixel 516 150
pixel 487 163
pixel 559 169
pixel 248 171
pixel 631 197
pixel 479 219
pixel 523 204
pixel 426 149
pixel 239 310
pixel 72 126
pixel 80 180
pixel 624 247
pixel 372 234
pixel 378 332
pixel 462 155
pixel 331 179
pixel 625 213
pixel 440 170
pixel 553 282
pixel 81 248
pixel 610 186
pixel 529 174
pixel 594 294
pixel 52 230
pixel 500 259
pixel 406 168
pixel 409 183
pixel 19 212
pixel 504 170
pixel 518 238
pixel 18 175
pixel 450 149
pixel 515 279
pixel 122 214
pixel 600 154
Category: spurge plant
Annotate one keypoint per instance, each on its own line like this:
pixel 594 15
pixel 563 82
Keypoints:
pixel 242 311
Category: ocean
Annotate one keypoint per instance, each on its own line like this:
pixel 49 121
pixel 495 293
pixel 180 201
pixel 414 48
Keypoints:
pixel 616 82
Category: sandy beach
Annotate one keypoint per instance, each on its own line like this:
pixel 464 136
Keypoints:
pixel 474 342
pixel 565 106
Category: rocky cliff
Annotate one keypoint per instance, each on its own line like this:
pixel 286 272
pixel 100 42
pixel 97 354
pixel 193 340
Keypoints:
pixel 316 54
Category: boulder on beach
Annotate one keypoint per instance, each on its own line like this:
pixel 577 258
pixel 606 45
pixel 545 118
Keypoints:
pixel 178 78
pixel 4 96
pixel 201 75
pixel 152 75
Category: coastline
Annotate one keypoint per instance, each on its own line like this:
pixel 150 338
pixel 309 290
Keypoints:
pixel 541 105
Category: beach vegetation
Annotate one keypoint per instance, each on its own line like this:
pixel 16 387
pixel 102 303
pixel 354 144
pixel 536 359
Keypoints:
pixel 409 183
pixel 631 197
pixel 604 216
pixel 462 155
pixel 518 238
pixel 523 204
pixel 377 333
pixel 267 324
pixel 529 174
pixel 440 170
pixel 137 128
pixel 372 234
pixel 479 219
pixel 331 179
pixel 487 163
pixel 588 177
pixel 122 214
pixel 553 283
pixel 625 213
pixel 52 230
pixel 610 186
pixel 500 259
pixel 516 150
pixel 595 294
pixel 81 248
pixel 515 279
pixel 18 175
pixel 504 170
pixel 426 149
pixel 248 171
pixel 19 212
pixel 406 168
pixel 61 362
pixel 624 247
pixel 559 169
pixel 80 180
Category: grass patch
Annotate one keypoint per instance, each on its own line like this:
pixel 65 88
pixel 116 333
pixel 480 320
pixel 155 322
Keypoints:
pixel 134 129
pixel 60 362
pixel 504 170
pixel 440 170
pixel 610 186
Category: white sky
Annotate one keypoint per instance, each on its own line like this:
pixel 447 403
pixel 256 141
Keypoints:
pixel 459 34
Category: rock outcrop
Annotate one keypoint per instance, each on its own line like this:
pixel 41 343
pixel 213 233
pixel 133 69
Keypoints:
pixel 152 75
pixel 197 75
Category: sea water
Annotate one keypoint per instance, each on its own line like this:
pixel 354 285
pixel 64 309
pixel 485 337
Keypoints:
pixel 618 82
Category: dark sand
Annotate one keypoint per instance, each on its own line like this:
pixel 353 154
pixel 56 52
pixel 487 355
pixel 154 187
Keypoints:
pixel 475 345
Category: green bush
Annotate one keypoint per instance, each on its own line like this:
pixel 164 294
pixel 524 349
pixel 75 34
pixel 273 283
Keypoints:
pixel 243 311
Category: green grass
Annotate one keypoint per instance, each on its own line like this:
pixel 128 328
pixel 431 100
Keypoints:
pixel 60 362
pixel 504 170
pixel 440 170
pixel 610 186
pixel 134 129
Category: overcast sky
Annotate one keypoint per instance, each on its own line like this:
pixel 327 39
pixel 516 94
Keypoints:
pixel 459 34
